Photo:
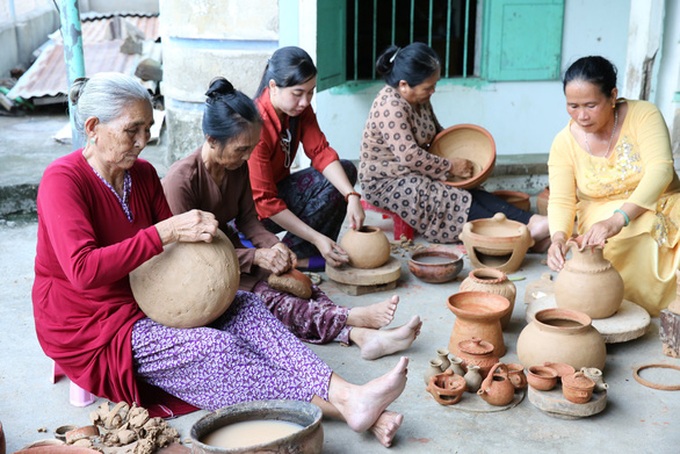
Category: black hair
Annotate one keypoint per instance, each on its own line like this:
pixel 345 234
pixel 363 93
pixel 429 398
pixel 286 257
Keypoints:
pixel 594 69
pixel 413 64
pixel 227 112
pixel 287 66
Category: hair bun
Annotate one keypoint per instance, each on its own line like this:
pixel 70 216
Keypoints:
pixel 219 86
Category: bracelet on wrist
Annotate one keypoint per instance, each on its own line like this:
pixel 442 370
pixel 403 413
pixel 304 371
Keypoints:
pixel 626 219
pixel 351 193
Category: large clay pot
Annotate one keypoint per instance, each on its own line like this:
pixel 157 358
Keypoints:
pixel 561 336
pixel 491 280
pixel 308 440
pixel 496 242
pixel 478 314
pixel 188 284
pixel 588 282
pixel 367 247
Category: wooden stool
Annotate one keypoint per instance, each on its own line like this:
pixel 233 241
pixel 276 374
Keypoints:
pixel 400 226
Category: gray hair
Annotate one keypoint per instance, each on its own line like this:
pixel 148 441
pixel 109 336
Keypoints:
pixel 104 96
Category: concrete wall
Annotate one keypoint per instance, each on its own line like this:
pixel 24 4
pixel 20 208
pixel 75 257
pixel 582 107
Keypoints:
pixel 147 6
pixel 25 35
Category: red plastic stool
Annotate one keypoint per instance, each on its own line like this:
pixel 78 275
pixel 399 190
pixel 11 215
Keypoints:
pixel 400 226
pixel 77 396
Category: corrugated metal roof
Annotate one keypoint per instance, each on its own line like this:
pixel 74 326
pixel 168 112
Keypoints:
pixel 45 81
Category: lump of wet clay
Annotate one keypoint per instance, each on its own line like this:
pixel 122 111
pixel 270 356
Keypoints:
pixel 188 284
pixel 293 281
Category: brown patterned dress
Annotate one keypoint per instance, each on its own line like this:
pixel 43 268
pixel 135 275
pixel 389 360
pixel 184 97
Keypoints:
pixel 398 174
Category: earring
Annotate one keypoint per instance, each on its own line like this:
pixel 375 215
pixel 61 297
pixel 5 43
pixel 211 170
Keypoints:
pixel 92 141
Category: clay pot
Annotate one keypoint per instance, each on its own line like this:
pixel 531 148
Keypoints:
pixel 447 388
pixel 79 433
pixel 188 284
pixel 60 432
pixel 457 365
pixel 367 247
pixel 443 355
pixel 435 264
pixel 292 281
pixel 675 304
pixel 477 352
pixel 518 199
pixel 470 142
pixel 542 201
pixel 561 336
pixel 434 368
pixel 309 439
pixel 478 314
pixel 496 242
pixel 473 378
pixel 517 376
pixel 595 375
pixel 491 280
pixel 577 388
pixel 542 378
pixel 497 389
pixel 588 282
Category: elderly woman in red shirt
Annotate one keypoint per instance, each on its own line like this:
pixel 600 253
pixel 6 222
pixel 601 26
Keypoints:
pixel 309 204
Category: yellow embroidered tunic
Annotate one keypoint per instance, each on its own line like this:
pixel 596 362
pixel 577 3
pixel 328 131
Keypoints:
pixel 639 170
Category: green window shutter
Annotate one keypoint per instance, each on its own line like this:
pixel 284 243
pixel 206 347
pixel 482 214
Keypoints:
pixel 331 29
pixel 522 39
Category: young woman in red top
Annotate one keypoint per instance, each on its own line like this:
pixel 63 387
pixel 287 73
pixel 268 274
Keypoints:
pixel 310 204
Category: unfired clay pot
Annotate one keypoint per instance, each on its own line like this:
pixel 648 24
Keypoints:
pixel 188 284
pixel 478 314
pixel 367 247
pixel 588 282
pixel 561 336
pixel 491 280
pixel 292 281
pixel 496 242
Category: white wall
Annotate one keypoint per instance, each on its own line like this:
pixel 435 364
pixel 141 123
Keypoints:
pixel 523 117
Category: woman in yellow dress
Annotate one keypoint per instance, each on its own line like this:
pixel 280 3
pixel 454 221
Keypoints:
pixel 611 170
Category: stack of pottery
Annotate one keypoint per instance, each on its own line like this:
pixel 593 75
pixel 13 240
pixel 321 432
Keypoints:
pixel 367 247
pixel 561 336
pixel 588 282
pixel 496 242
pixel 491 280
pixel 478 314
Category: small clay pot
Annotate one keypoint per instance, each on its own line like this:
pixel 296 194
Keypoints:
pixel 447 388
pixel 577 388
pixel 367 247
pixel 293 281
pixel 562 369
pixel 517 376
pixel 60 432
pixel 478 352
pixel 542 378
pixel 435 264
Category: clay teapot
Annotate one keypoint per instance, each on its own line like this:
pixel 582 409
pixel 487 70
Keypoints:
pixel 577 388
pixel 595 375
pixel 367 247
pixel 497 389
pixel 588 282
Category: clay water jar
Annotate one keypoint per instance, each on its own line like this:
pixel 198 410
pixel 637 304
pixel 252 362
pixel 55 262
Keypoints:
pixel 367 247
pixel 588 282
pixel 477 352
pixel 518 199
pixel 447 388
pixel 577 388
pixel 491 280
pixel 561 336
pixel 496 242
pixel 435 264
pixel 309 439
pixel 189 284
pixel 478 314
pixel 497 389
pixel 542 378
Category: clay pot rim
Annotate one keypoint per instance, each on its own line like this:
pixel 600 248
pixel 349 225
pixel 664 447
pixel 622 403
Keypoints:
pixel 561 368
pixel 542 372
pixel 498 301
pixel 494 275
pixel 436 251
pixel 545 315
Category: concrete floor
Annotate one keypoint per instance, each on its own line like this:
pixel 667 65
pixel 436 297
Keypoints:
pixel 636 419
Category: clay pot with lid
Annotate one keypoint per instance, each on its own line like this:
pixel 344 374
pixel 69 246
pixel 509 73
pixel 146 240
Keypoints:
pixel 497 389
pixel 561 336
pixel 588 282
pixel 367 247
pixel 478 314
pixel 477 352
pixel 491 280
pixel 577 388
pixel 496 242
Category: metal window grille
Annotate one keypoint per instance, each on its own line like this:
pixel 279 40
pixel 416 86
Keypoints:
pixel 448 26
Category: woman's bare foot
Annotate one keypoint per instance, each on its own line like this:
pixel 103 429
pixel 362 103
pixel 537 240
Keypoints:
pixel 385 428
pixel 362 405
pixel 378 343
pixel 374 316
